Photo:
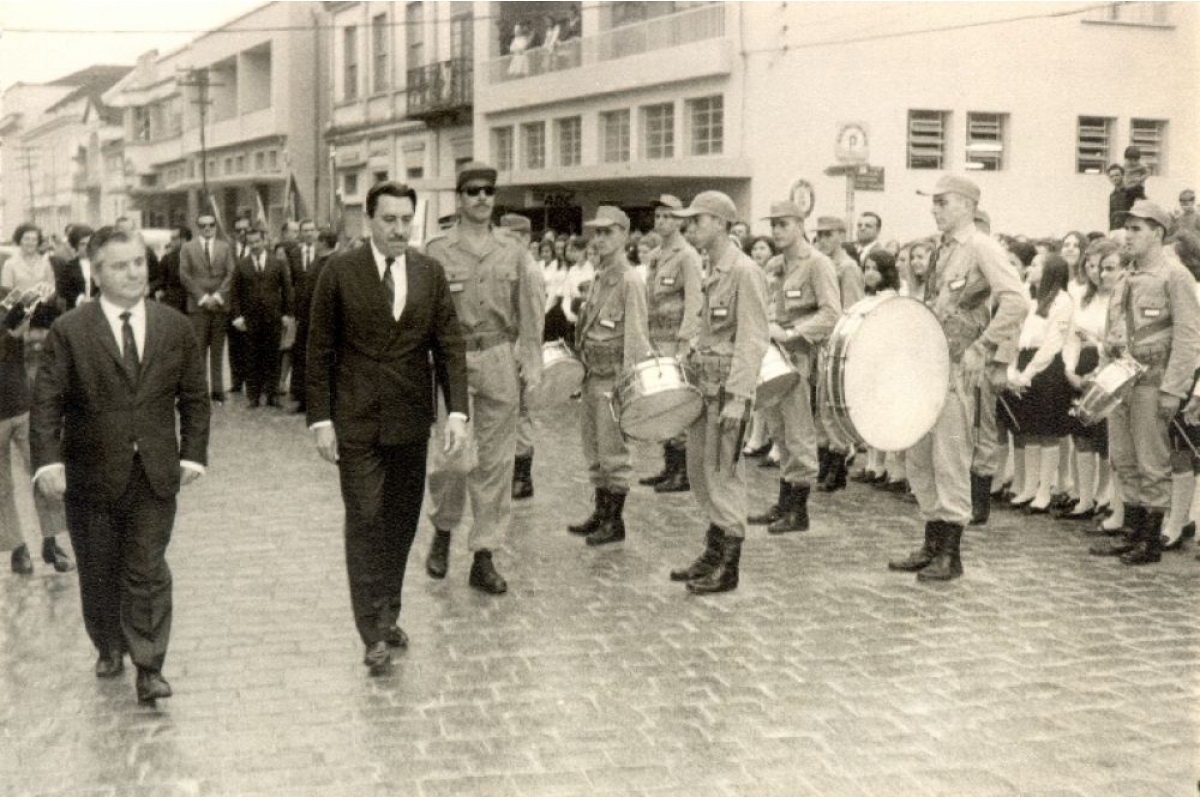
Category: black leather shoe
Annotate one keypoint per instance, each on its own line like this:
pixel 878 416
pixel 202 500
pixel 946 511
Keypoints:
pixel 378 658
pixel 484 576
pixel 22 564
pixel 396 637
pixel 218 398
pixel 109 666
pixel 53 554
pixel 1087 513
pixel 439 555
pixel 151 686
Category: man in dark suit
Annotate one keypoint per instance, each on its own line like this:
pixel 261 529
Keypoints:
pixel 314 261
pixel 236 340
pixel 168 288
pixel 113 375
pixel 73 281
pixel 261 306
pixel 378 314
pixel 206 271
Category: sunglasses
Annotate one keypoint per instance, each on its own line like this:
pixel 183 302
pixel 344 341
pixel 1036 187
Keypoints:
pixel 208 224
pixel 476 191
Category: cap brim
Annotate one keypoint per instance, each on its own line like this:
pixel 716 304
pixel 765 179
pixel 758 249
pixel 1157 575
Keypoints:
pixel 603 223
pixel 687 212
pixel 932 192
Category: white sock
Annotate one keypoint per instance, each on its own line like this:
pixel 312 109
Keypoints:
pixel 1086 463
pixel 1028 487
pixel 1046 472
pixel 1183 486
pixel 1118 506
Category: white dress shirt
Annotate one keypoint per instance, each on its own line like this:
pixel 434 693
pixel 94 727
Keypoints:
pixel 85 266
pixel 1046 335
pixel 399 279
pixel 307 256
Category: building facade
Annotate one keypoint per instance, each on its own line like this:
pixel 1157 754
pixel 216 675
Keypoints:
pixel 259 86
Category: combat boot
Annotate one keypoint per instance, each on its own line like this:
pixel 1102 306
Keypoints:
pixel 707 561
pixel 612 528
pixel 677 479
pixel 438 560
pixel 921 558
pixel 1135 518
pixel 725 577
pixel 795 515
pixel 835 476
pixel 822 464
pixel 946 565
pixel 53 554
pixel 776 511
pixel 655 480
pixel 522 484
pixel 1149 546
pixel 592 523
pixel 484 576
pixel 981 498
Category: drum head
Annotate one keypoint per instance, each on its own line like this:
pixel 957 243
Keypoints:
pixel 897 374
pixel 662 415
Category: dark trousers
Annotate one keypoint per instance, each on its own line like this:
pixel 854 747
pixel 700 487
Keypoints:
pixel 210 333
pixel 382 488
pixel 238 361
pixel 299 359
pixel 124 580
pixel 262 358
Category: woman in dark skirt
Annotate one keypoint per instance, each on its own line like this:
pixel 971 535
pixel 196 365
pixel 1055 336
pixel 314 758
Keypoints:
pixel 1039 379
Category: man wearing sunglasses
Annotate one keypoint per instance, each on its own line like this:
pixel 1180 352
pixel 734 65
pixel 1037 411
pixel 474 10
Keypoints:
pixel 206 271
pixel 499 311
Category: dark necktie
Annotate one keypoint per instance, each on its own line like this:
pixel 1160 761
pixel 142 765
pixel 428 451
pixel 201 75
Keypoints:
pixel 207 253
pixel 129 353
pixel 389 284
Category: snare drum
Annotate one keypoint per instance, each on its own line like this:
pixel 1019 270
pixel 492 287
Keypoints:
pixel 562 375
pixel 886 372
pixel 1107 389
pixel 655 401
pixel 776 378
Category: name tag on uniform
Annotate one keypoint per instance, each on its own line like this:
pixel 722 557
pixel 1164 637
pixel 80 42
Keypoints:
pixel 1151 312
pixel 668 281
pixel 456 286
pixel 607 323
pixel 720 313
pixel 793 294
pixel 958 284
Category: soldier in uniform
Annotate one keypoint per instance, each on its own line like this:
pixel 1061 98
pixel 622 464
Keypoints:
pixel 833 454
pixel 1153 318
pixel 806 306
pixel 522 482
pixel 498 310
pixel 673 281
pixel 729 348
pixel 612 335
pixel 970 270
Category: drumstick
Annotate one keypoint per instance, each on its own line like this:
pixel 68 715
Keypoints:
pixel 1009 411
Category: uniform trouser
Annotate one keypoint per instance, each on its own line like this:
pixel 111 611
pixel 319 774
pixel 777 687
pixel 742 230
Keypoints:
pixel 382 489
pixel 1141 450
pixel 790 423
pixel 524 420
pixel 483 470
pixel 716 472
pixel 14 437
pixel 604 448
pixel 669 347
pixel 209 327
pixel 986 455
pixel 939 465
pixel 262 358
pixel 124 580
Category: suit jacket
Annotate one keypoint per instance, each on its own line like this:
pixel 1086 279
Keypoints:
pixel 262 298
pixel 372 375
pixel 305 286
pixel 201 278
pixel 68 282
pixel 173 292
pixel 294 259
pixel 91 414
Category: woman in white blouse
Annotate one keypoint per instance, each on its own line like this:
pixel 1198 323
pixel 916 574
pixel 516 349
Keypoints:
pixel 1039 380
pixel 1102 268
pixel 579 279
pixel 554 277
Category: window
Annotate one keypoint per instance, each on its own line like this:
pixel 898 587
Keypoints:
pixel 614 136
pixel 1150 136
pixel 241 164
pixel 927 139
pixel 706 122
pixel 415 173
pixel 1093 142
pixel 658 130
pixel 533 135
pixel 379 51
pixel 228 165
pixel 414 16
pixel 380 176
pixel 260 161
pixel 461 35
pixel 502 148
pixel 985 141
pixel 272 160
pixel 350 184
pixel 350 62
pixel 570 142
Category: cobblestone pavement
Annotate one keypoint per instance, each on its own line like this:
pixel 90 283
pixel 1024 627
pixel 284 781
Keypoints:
pixel 1042 671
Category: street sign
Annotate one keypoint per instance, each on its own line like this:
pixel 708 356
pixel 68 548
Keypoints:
pixel 803 195
pixel 851 145
pixel 868 179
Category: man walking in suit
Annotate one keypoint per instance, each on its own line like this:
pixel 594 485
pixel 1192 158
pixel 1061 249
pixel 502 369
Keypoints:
pixel 236 340
pixel 113 375
pixel 302 286
pixel 206 271
pixel 169 289
pixel 262 305
pixel 73 281
pixel 378 314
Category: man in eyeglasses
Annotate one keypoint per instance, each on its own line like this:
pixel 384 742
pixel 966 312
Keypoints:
pixel 206 271
pixel 498 309
pixel 239 349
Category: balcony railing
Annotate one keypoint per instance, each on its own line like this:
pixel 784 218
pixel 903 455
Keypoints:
pixel 672 30
pixel 444 89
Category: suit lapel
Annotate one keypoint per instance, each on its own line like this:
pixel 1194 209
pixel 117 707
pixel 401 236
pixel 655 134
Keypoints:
pixel 369 277
pixel 153 335
pixel 108 341
pixel 414 284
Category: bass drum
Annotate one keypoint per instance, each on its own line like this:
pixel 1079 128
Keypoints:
pixel 886 373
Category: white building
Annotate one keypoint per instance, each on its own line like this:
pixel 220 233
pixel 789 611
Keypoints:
pixel 260 81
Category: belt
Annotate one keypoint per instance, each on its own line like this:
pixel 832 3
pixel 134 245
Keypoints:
pixel 484 341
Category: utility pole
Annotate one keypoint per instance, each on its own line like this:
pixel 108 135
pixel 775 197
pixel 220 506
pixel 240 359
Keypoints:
pixel 198 78
pixel 27 154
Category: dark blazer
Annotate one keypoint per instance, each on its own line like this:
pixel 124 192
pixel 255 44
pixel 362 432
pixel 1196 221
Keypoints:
pixel 173 293
pixel 201 278
pixel 261 298
pixel 68 282
pixel 92 415
pixel 371 375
